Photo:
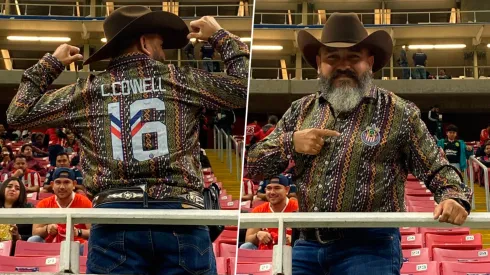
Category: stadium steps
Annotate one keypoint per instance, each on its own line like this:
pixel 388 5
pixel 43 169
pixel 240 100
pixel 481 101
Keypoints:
pixel 222 173
pixel 479 194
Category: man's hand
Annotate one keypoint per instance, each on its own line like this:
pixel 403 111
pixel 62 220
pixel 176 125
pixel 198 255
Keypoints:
pixel 67 54
pixel 264 237
pixel 14 231
pixel 203 28
pixel 310 141
pixel 52 229
pixel 450 211
pixel 18 173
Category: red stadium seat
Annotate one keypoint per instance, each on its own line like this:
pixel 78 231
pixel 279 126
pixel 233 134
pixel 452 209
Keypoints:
pixel 409 230
pixel 421 268
pixel 83 264
pixel 445 231
pixel 31 264
pixel 23 248
pixel 254 269
pixel 412 241
pixel 85 249
pixel 225 198
pixel 230 205
pixel 415 185
pixel 411 177
pixel 207 171
pixel 420 209
pixel 231 227
pixel 454 268
pixel 5 248
pixel 254 256
pixel 419 198
pixel 45 195
pixel 457 242
pixel 449 255
pixel 246 205
pixel 227 250
pixel 423 204
pixel 221 266
pixel 416 255
pixel 32 196
pixel 418 192
pixel 227 236
pixel 231 266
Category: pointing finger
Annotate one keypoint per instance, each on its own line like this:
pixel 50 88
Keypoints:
pixel 327 133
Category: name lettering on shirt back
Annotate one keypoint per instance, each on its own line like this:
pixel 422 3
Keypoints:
pixel 133 86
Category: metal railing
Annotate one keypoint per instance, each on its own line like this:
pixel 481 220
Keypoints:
pixel 472 160
pixel 239 147
pixel 69 255
pixel 27 9
pixel 456 72
pixel 228 150
pixel 419 17
pixel 227 145
pixel 282 254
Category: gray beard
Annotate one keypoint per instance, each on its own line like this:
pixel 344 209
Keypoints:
pixel 345 98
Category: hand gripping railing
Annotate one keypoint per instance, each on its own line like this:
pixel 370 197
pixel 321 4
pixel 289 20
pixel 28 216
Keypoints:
pixel 485 177
pixel 69 257
pixel 282 254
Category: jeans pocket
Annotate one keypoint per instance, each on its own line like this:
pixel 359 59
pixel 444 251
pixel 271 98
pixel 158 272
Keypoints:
pixel 106 249
pixel 195 250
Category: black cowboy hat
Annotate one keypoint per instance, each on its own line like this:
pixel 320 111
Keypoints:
pixel 345 30
pixel 131 21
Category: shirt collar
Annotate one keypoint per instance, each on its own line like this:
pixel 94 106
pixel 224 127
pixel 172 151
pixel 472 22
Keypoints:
pixel 128 58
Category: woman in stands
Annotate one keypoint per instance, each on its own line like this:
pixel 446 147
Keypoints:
pixel 14 195
pixel 7 156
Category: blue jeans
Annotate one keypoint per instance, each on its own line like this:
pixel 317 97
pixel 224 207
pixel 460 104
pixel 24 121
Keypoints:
pixel 249 246
pixel 208 64
pixel 367 251
pixel 419 73
pixel 149 249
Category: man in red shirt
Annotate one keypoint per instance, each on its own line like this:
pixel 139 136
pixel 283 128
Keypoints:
pixel 484 135
pixel 30 178
pixel 252 129
pixel 277 191
pixel 32 163
pixel 247 190
pixel 65 197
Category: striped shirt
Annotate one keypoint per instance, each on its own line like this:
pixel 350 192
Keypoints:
pixel 248 187
pixel 364 169
pixel 30 179
pixel 137 122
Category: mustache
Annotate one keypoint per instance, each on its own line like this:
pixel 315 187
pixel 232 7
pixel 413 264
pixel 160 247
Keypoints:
pixel 347 73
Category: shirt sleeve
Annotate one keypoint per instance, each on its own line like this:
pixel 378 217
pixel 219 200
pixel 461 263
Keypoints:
pixel 426 157
pixel 271 156
pixel 35 179
pixel 33 105
pixel 217 91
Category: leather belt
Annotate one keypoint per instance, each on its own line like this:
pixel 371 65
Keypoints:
pixel 321 235
pixel 136 194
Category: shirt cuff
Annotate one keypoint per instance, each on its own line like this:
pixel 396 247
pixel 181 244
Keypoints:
pixel 218 39
pixel 52 66
pixel 287 145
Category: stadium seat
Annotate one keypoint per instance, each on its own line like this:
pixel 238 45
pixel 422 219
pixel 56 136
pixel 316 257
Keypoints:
pixel 221 266
pixel 246 205
pixel 457 242
pixel 227 250
pixel 445 231
pixel 421 209
pixel 254 269
pixel 423 204
pixel 45 195
pixel 5 248
pixel 230 205
pixel 454 268
pixel 416 255
pixel 409 230
pixel 207 171
pixel 85 249
pixel 411 177
pixel 231 266
pixel 32 196
pixel 420 268
pixel 418 192
pixel 450 255
pixel 412 241
pixel 83 264
pixel 254 256
pixel 415 185
pixel 31 264
pixel 227 236
pixel 23 248
pixel 225 198
pixel 419 198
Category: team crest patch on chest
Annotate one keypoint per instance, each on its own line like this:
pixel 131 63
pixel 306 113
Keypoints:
pixel 371 136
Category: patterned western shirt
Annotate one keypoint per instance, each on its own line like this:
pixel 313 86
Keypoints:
pixel 137 122
pixel 364 169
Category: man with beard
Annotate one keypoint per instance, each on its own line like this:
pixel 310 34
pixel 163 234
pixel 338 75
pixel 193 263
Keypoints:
pixel 352 143
pixel 137 123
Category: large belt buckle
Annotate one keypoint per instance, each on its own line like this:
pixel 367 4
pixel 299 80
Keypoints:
pixel 127 195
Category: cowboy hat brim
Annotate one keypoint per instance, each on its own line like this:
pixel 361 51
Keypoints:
pixel 172 28
pixel 378 42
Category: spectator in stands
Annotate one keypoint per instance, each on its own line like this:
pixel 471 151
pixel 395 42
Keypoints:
pixel 225 120
pixel 419 61
pixel 485 134
pixel 65 197
pixel 4 134
pixel 13 195
pixel 457 152
pixel 276 191
pixel 261 192
pixel 155 160
pixel 342 140
pixel 70 144
pixel 7 157
pixel 403 62
pixel 54 145
pixel 30 178
pixel 434 120
pixel 207 54
pixel 480 152
pixel 32 163
pixel 39 149
pixel 63 161
pixel 247 190
pixel 443 75
pixel 251 130
pixel 266 129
